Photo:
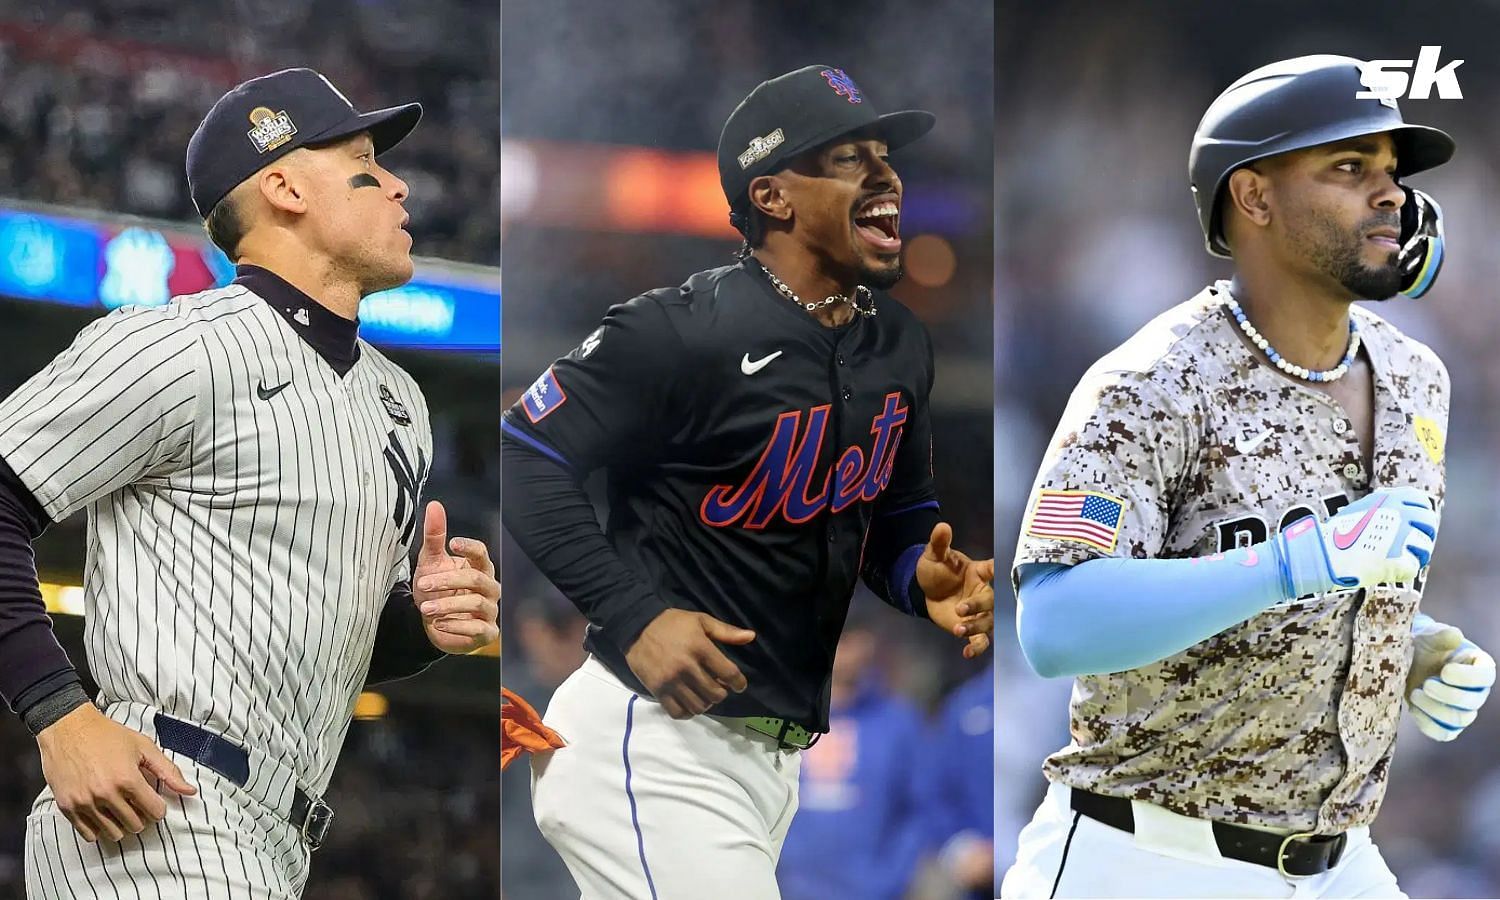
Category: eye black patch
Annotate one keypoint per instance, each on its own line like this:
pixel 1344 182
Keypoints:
pixel 363 179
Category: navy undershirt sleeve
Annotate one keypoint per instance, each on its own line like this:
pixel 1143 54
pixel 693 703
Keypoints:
pixel 34 668
pixel 549 515
pixel 402 648
pixel 895 542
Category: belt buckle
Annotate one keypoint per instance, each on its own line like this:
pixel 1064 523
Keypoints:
pixel 1281 852
pixel 793 736
pixel 780 730
pixel 781 736
pixel 315 826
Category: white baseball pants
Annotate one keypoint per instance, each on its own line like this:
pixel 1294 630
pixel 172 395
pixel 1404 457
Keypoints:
pixel 642 806
pixel 1065 854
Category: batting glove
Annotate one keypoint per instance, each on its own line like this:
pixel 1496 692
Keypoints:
pixel 1432 643
pixel 1446 703
pixel 1385 537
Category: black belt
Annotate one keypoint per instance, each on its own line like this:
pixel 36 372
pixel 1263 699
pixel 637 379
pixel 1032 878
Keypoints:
pixel 1297 855
pixel 310 816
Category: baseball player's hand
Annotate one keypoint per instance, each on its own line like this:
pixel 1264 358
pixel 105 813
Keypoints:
pixel 458 596
pixel 960 591
pixel 676 659
pixel 1449 680
pixel 106 777
pixel 1384 537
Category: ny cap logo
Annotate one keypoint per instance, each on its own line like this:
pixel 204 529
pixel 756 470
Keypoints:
pixel 272 129
pixel 338 93
pixel 760 148
pixel 842 85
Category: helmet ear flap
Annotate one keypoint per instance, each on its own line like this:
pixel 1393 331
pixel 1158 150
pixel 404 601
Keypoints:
pixel 1421 254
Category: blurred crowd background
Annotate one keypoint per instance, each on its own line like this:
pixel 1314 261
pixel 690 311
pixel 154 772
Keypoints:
pixel 1097 234
pixel 97 101
pixel 610 118
pixel 99 97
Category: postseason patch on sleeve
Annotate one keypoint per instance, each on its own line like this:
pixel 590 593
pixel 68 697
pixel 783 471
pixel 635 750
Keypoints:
pixel 544 396
pixel 1087 517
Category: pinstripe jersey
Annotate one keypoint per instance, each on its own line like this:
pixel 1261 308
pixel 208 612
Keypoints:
pixel 249 510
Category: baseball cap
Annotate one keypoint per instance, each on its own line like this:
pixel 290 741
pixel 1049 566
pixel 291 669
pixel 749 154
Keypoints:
pixel 798 111
pixel 266 118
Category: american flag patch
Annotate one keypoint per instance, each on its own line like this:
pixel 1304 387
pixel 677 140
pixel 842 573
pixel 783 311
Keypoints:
pixel 1083 516
pixel 544 396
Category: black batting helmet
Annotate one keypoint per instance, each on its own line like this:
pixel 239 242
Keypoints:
pixel 1291 105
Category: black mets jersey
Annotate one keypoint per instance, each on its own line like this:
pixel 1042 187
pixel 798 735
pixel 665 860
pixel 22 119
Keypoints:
pixel 758 463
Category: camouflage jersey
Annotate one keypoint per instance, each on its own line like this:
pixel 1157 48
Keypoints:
pixel 1287 720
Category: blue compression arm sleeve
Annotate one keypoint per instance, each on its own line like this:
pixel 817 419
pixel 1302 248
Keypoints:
pixel 1110 615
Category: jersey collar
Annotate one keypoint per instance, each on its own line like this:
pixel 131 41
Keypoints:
pixel 330 335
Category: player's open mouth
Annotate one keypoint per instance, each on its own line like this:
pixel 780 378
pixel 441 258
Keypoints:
pixel 879 223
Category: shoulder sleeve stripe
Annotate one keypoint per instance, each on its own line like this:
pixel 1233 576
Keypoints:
pixel 512 431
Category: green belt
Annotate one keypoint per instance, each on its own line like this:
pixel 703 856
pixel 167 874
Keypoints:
pixel 785 732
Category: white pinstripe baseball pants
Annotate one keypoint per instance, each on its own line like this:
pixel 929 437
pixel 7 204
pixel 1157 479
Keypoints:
pixel 219 844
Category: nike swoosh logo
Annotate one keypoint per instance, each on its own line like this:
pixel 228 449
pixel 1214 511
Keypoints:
pixel 265 393
pixel 1345 539
pixel 750 368
pixel 1248 445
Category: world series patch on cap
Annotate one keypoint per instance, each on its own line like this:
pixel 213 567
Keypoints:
pixel 269 129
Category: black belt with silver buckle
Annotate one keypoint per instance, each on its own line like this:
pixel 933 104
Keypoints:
pixel 310 816
pixel 1296 855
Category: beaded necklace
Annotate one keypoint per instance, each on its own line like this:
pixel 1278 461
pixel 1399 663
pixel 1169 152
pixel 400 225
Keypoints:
pixel 1296 371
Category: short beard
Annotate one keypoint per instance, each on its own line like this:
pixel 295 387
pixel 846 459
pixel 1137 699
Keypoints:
pixel 1338 253
pixel 881 279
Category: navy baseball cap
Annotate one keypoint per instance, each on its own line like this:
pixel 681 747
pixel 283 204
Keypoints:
pixel 798 111
pixel 268 117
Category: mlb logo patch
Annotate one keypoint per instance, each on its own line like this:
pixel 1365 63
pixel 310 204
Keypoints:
pixel 544 396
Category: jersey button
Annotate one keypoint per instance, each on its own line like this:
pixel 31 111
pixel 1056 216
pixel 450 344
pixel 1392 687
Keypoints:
pixel 1340 426
pixel 840 359
pixel 847 393
pixel 1352 471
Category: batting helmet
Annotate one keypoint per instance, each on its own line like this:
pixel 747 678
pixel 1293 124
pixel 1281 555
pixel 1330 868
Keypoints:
pixel 1291 105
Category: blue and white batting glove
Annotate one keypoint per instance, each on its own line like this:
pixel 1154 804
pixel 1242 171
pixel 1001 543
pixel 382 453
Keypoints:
pixel 1447 703
pixel 1384 537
